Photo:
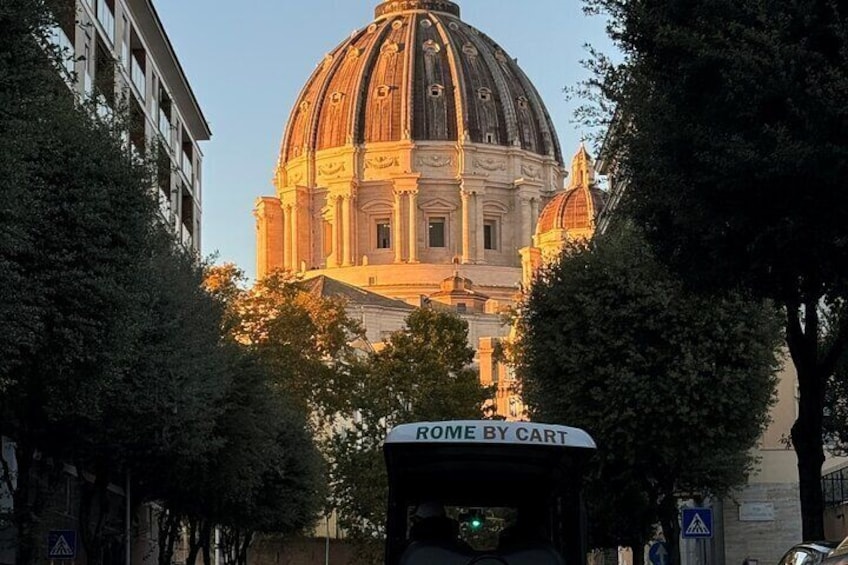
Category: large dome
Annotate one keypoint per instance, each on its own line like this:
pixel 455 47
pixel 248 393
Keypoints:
pixel 418 73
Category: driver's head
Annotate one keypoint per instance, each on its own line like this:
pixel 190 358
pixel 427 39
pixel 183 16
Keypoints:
pixel 429 509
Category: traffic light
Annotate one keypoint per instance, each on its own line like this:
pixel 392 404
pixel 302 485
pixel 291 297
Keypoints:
pixel 473 519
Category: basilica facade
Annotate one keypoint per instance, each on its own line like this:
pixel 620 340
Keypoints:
pixel 419 164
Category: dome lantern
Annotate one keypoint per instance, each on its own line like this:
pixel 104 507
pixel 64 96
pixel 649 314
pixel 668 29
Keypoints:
pixel 391 6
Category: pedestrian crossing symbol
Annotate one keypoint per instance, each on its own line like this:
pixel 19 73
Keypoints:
pixel 697 523
pixel 62 544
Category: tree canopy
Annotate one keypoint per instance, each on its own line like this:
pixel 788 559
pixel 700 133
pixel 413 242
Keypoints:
pixel 675 387
pixel 731 131
pixel 113 358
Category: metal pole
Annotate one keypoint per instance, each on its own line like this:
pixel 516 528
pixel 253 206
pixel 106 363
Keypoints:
pixel 327 544
pixel 128 518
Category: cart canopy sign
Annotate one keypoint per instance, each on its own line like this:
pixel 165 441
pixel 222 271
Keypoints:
pixel 491 432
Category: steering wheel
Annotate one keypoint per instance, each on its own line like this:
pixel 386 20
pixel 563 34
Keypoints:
pixel 487 560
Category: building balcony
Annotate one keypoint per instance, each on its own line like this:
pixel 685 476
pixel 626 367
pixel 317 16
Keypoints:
pixel 187 168
pixel 63 43
pixel 106 19
pixel 138 78
pixel 165 127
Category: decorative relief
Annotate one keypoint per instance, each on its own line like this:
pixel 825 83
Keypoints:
pixel 531 171
pixel 390 48
pixel 331 168
pixel 489 164
pixel 425 23
pixel 454 26
pixel 469 50
pixel 431 47
pixel 353 53
pixel 500 56
pixel 397 24
pixel 437 161
pixel 296 177
pixel 372 28
pixel 382 162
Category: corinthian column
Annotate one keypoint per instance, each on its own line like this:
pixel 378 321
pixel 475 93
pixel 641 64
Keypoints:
pixel 295 251
pixel 526 224
pixel 478 220
pixel 397 230
pixel 348 233
pixel 466 226
pixel 287 239
pixel 413 227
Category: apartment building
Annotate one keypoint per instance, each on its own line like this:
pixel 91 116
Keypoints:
pixel 124 59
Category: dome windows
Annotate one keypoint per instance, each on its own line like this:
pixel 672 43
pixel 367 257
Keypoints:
pixel 425 23
pixel 522 103
pixel 382 92
pixel 304 106
pixel 436 90
pixel 431 47
pixel 484 94
pixel 353 53
pixel 337 97
pixel 397 24
pixel 372 28
pixel 453 26
pixel 469 50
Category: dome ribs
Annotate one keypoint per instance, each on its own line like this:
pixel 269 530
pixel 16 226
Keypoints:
pixel 434 107
pixel 335 127
pixel 487 50
pixel 377 114
pixel 417 73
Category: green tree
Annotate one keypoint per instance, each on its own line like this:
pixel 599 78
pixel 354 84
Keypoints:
pixel 303 338
pixel 422 373
pixel 77 219
pixel 731 130
pixel 674 387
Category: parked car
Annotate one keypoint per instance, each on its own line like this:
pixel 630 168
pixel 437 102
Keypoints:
pixel 811 553
pixel 838 556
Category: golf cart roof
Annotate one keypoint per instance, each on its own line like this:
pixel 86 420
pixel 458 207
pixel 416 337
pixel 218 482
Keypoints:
pixel 468 462
pixel 488 432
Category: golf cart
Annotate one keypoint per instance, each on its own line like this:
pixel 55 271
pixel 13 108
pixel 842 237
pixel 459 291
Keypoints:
pixel 486 493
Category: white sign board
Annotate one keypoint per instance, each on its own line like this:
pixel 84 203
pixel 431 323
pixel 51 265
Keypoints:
pixel 756 512
pixel 490 432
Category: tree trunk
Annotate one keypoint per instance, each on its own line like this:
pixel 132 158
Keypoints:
pixel 168 532
pixel 23 514
pixel 813 370
pixel 245 545
pixel 94 508
pixel 206 543
pixel 668 515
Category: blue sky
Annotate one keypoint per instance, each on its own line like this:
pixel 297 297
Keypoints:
pixel 248 60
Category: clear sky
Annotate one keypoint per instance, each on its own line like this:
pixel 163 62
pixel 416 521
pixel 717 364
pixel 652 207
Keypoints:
pixel 247 61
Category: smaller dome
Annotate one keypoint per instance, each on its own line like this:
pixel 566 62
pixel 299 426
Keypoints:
pixel 577 208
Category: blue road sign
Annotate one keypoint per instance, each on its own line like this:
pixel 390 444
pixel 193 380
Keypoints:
pixel 697 523
pixel 62 544
pixel 658 554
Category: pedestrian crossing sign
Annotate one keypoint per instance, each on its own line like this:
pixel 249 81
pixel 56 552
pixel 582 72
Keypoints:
pixel 697 523
pixel 62 544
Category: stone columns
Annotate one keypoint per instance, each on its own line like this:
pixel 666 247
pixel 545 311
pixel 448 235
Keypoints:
pixel 413 226
pixel 526 236
pixel 466 226
pixel 349 233
pixel 334 260
pixel 397 229
pixel 295 247
pixel 478 221
pixel 287 241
